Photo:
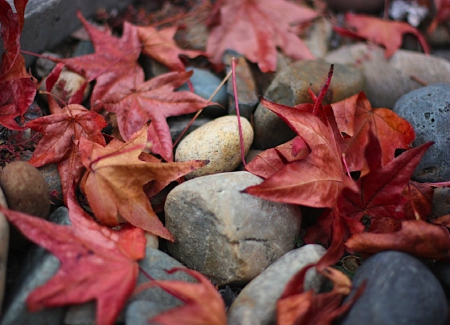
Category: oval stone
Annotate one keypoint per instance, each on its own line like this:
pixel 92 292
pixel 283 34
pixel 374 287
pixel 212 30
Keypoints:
pixel 428 111
pixel 227 235
pixel 218 142
pixel 400 290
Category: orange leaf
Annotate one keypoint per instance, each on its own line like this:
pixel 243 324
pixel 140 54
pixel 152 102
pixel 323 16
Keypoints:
pixel 203 304
pixel 115 178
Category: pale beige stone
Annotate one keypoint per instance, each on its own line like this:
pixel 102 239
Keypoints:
pixel 218 142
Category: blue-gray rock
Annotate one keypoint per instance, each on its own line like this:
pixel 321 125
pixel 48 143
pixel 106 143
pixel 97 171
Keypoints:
pixel 141 311
pixel 400 290
pixel 388 79
pixel 38 268
pixel 290 87
pixel 245 86
pixel 177 124
pixel 227 235
pixel 428 111
pixel 256 304
pixel 205 83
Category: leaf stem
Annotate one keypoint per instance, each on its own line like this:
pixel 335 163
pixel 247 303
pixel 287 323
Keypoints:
pixel 235 61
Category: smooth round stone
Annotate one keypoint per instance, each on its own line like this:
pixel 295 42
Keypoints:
pixel 290 87
pixel 400 290
pixel 428 111
pixel 388 79
pixel 229 236
pixel 218 142
pixel 256 304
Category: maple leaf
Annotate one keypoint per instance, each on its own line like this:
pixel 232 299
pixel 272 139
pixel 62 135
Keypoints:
pixel 115 178
pixel 60 130
pixel 383 32
pixel 415 237
pixel 203 304
pixel 356 118
pixel 18 89
pixel 256 28
pixel 442 14
pixel 155 100
pixel 114 64
pixel 381 189
pixel 96 262
pixel 160 46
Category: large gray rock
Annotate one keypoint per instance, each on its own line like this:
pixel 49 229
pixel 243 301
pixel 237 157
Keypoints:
pixel 256 304
pixel 39 267
pixel 57 18
pixel 388 79
pixel 227 235
pixel 4 245
pixel 290 87
pixel 428 111
pixel 400 290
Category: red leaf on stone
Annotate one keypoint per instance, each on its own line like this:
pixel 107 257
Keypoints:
pixel 381 189
pixel 355 117
pixel 256 28
pixel 17 87
pixel 160 46
pixel 203 304
pixel 420 201
pixel 96 262
pixel 114 64
pixel 442 13
pixel 153 100
pixel 115 179
pixel 415 237
pixel 383 32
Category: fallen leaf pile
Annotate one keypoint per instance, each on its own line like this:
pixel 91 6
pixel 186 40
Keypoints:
pixel 344 161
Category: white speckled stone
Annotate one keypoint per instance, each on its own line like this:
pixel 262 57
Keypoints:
pixel 218 142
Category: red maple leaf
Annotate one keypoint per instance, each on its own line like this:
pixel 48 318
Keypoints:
pixel 61 129
pixel 153 100
pixel 383 32
pixel 160 46
pixel 114 64
pixel 256 28
pixel 442 13
pixel 17 87
pixel 203 304
pixel 96 262
pixel 115 179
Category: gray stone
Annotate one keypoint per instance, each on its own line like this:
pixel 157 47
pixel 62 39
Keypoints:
pixel 318 39
pixel 141 311
pixel 388 79
pixel 205 83
pixel 245 86
pixel 441 270
pixel 400 290
pixel 43 67
pixel 4 245
pixel 229 236
pixel 57 18
pixel 290 87
pixel 256 304
pixel 364 6
pixel 428 111
pixel 441 203
pixel 39 267
pixel 177 124
pixel 218 142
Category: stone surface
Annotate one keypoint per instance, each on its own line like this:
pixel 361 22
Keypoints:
pixel 256 304
pixel 318 39
pixel 43 67
pixel 205 83
pixel 245 85
pixel 363 6
pixel 441 203
pixel 227 235
pixel 26 191
pixel 177 124
pixel 290 87
pixel 218 142
pixel 4 245
pixel 57 18
pixel 428 111
pixel 388 79
pixel 441 270
pixel 400 290
pixel 141 311
pixel 39 267
pixel 67 85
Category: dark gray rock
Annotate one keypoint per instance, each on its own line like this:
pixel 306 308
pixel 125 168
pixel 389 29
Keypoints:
pixel 256 304
pixel 400 290
pixel 57 18
pixel 364 6
pixel 428 111
pixel 227 235
pixel 290 87
pixel 39 267
pixel 245 85
pixel 441 270
pixel 177 124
